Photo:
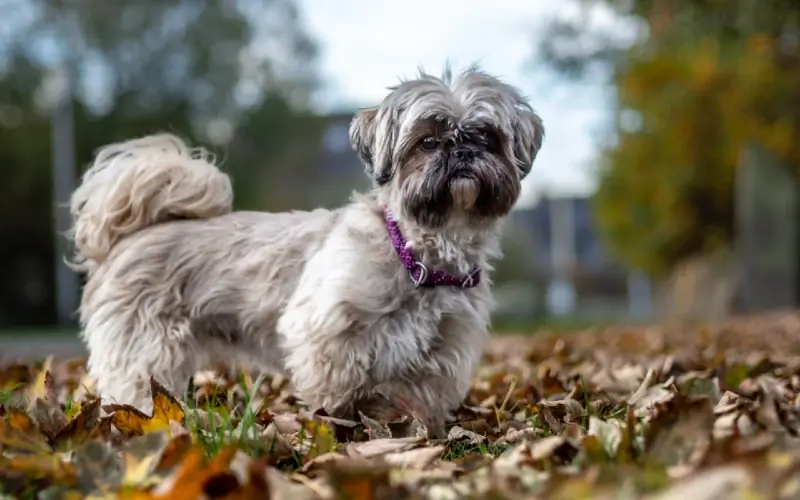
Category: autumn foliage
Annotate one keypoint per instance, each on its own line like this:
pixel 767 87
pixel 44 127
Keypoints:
pixel 619 413
pixel 707 80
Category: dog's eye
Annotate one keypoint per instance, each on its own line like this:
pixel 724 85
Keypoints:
pixel 490 140
pixel 429 143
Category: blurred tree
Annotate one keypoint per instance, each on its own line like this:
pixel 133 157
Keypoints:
pixel 237 75
pixel 695 82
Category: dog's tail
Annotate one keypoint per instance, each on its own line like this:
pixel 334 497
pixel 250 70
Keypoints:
pixel 139 183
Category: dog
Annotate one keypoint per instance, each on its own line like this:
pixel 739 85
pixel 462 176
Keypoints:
pixel 387 298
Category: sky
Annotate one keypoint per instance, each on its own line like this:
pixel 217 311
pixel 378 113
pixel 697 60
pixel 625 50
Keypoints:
pixel 367 46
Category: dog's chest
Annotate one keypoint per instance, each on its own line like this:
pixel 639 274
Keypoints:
pixel 407 339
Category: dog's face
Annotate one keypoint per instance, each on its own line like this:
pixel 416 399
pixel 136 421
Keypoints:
pixel 450 147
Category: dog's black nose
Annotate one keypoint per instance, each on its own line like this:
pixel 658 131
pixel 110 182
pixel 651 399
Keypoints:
pixel 464 154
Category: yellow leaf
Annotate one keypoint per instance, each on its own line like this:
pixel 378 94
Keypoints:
pixel 85 389
pixel 165 408
pixel 133 422
pixel 73 410
pixel 132 495
pixel 127 419
pixel 30 440
pixel 42 386
pixel 322 438
pixel 19 420
pixel 139 469
pixel 49 467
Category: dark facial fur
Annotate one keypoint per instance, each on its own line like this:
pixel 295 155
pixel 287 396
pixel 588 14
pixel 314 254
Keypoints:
pixel 484 138
pixel 452 168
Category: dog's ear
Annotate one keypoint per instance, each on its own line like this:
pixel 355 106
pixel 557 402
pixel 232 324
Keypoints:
pixel 362 136
pixel 528 138
pixel 373 144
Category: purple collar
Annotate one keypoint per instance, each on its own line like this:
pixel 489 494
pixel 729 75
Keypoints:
pixel 420 275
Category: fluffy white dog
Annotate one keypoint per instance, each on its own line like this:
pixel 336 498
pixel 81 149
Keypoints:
pixel 387 296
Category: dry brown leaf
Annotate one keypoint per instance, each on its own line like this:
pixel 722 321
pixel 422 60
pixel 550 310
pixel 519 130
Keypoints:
pixel 374 429
pixel 717 484
pixel 194 475
pixel 513 435
pixel 681 434
pixel 85 426
pixel 457 433
pixel 418 458
pixel 275 444
pixel 378 447
pixel 48 416
pixel 50 467
pixel 281 488
pixel 608 432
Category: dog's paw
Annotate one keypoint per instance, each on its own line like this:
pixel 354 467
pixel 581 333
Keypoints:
pixel 398 405
pixel 379 407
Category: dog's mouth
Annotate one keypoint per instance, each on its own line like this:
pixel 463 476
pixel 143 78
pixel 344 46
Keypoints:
pixel 462 173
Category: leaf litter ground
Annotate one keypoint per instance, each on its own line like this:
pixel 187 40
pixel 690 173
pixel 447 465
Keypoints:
pixel 694 412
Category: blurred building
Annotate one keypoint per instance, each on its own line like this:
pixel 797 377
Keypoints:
pixel 339 171
pixel 570 265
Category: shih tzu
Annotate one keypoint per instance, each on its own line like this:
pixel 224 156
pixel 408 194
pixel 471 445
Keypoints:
pixel 387 297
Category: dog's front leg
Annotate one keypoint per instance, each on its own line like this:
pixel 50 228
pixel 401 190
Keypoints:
pixel 437 386
pixel 326 360
pixel 429 397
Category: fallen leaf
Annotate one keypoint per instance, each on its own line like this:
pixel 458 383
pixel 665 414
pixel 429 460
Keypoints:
pixel 553 447
pixel 717 484
pixel 100 468
pixel 49 417
pixel 359 481
pixel 42 386
pixel 418 458
pixel 133 422
pixel 19 434
pixel 73 409
pixel 609 433
pixel 19 420
pixel 456 433
pixel 681 433
pixel 174 451
pixel 633 412
pixel 374 429
pixel 322 439
pixel 141 458
pixel 275 444
pixel 194 476
pixel 80 429
pixel 376 447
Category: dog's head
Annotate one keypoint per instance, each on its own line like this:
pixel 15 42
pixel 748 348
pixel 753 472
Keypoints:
pixel 450 146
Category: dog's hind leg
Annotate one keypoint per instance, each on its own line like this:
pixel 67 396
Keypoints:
pixel 125 350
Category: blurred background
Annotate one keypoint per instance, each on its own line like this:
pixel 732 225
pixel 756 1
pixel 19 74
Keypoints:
pixel 667 188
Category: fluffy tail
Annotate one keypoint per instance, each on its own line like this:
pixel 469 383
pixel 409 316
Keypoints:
pixel 139 183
